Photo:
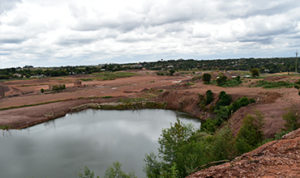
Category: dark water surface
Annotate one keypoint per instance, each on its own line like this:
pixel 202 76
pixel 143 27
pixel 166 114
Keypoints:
pixel 92 138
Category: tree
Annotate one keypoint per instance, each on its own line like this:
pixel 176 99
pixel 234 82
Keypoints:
pixel 87 173
pixel 250 134
pixel 172 71
pixel 221 80
pixel 254 72
pixel 116 172
pixel 209 97
pixel 292 120
pixel 206 78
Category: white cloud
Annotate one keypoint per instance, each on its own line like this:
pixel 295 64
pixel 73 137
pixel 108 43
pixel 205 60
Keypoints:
pixel 74 32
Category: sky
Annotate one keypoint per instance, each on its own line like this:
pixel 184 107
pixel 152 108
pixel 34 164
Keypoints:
pixel 88 32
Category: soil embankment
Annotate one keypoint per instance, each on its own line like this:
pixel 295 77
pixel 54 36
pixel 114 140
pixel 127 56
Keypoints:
pixel 279 158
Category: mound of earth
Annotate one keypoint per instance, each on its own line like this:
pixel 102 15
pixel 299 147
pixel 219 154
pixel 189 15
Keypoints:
pixel 279 158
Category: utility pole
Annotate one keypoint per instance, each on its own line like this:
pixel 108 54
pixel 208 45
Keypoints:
pixel 296 67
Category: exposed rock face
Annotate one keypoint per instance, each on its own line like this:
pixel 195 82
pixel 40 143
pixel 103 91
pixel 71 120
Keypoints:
pixel 279 158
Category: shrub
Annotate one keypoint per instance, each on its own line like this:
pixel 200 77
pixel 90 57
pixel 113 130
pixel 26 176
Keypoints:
pixel 280 84
pixel 221 80
pixel 209 125
pixel 171 72
pixel 224 99
pixel 206 78
pixel 42 90
pixel 58 87
pixel 209 97
pixel 291 120
pixel 250 134
pixel 254 72
pixel 244 101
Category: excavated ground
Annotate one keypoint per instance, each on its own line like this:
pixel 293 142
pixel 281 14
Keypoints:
pixel 279 158
pixel 174 91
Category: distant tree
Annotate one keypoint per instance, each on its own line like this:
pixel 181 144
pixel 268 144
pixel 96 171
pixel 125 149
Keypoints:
pixel 254 72
pixel 221 80
pixel 172 71
pixel 206 78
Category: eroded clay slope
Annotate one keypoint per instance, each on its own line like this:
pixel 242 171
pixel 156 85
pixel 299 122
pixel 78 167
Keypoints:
pixel 279 158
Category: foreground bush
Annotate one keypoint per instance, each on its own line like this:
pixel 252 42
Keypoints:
pixel 291 120
pixel 250 135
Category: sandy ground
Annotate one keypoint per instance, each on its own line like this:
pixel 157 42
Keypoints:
pixel 272 103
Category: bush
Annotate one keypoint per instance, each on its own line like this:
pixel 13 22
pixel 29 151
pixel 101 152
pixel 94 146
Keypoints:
pixel 209 125
pixel 42 90
pixel 250 135
pixel 291 120
pixel 206 78
pixel 221 80
pixel 280 84
pixel 209 97
pixel 58 87
pixel 224 99
pixel 254 72
pixel 171 72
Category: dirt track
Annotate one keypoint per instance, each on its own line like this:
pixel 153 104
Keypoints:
pixel 272 103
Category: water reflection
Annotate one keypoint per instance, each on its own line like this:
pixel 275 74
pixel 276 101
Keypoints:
pixel 92 138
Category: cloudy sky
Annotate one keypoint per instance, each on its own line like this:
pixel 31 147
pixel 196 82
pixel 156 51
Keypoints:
pixel 83 32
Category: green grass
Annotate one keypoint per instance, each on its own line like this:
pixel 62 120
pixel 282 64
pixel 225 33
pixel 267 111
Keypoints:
pixel 113 75
pixel 280 84
pixel 4 127
pixel 232 83
pixel 86 79
pixel 106 97
pixel 132 100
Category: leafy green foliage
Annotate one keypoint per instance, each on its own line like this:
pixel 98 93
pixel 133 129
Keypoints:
pixel 116 172
pixel 58 87
pixel 113 75
pixel 254 72
pixel 221 80
pixel 172 138
pixel 189 151
pixel 206 100
pixel 209 125
pixel 171 72
pixel 206 78
pixel 291 120
pixel 224 111
pixel 280 84
pixel 87 173
pixel 250 134
pixel 224 99
pixel 209 97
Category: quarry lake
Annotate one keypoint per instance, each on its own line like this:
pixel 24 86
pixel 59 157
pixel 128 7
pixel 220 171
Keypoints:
pixel 92 138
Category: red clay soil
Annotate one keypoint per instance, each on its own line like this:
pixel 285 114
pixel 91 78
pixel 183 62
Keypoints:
pixel 272 103
pixel 279 158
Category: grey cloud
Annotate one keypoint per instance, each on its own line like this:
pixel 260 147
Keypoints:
pixel 6 5
pixel 12 40
pixel 75 41
pixel 264 40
